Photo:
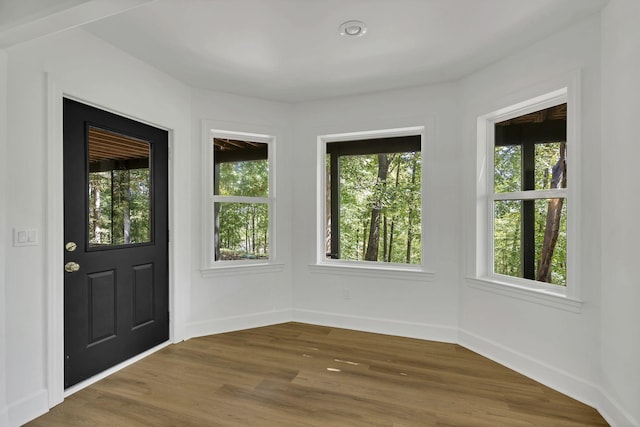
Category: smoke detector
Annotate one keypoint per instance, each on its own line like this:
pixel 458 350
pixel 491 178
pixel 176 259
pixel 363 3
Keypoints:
pixel 353 28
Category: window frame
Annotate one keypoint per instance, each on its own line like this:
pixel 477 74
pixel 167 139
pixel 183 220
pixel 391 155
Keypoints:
pixel 325 264
pixel 217 130
pixel 484 274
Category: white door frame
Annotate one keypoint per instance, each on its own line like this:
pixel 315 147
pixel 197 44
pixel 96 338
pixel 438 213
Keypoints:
pixel 54 244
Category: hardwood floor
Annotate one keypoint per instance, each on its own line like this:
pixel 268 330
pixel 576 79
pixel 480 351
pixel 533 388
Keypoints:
pixel 303 375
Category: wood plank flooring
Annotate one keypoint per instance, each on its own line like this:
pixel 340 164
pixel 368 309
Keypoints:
pixel 304 375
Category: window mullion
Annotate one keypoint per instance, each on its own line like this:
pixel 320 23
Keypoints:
pixel 335 206
pixel 558 193
pixel 240 199
pixel 528 224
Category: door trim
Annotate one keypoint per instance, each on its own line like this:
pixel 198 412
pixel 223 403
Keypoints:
pixel 54 237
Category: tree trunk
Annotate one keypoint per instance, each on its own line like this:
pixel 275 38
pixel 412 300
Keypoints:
pixel 376 209
pixel 121 211
pixel 554 213
pixel 253 229
pixel 393 223
pixel 216 232
pixel 410 219
pixel 266 241
pixel 247 247
pixel 364 238
pixel 393 218
pixel 384 238
pixel 95 209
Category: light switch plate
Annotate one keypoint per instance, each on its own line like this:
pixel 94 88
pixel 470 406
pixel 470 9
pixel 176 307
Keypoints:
pixel 25 237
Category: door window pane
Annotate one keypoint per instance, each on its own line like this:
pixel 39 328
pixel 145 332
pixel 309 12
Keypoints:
pixel 119 189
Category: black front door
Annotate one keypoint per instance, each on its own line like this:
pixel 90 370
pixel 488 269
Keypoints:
pixel 116 293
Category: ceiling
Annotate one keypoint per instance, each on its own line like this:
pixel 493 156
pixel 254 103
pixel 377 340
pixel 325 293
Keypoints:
pixel 291 50
pixel 14 13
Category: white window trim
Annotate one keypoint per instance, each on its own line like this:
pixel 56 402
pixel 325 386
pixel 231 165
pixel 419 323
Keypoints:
pixel 370 268
pixel 558 296
pixel 246 132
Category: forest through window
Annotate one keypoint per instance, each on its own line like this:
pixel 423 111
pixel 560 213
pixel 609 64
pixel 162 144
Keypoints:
pixel 241 200
pixel 373 200
pixel 529 196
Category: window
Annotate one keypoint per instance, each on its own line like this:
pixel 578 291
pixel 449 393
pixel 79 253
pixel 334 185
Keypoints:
pixel 120 188
pixel 373 198
pixel 241 198
pixel 527 195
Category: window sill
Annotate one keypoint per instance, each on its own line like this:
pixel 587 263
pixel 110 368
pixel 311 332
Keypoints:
pixel 538 296
pixel 241 269
pixel 375 272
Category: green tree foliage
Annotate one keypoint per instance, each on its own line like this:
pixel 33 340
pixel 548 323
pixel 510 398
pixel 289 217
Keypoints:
pixel 380 194
pixel 244 178
pixel 508 169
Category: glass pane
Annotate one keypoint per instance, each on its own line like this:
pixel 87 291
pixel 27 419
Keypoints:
pixel 530 151
pixel 380 207
pixel 119 189
pixel 530 239
pixel 507 237
pixel 551 241
pixel 241 231
pixel 551 165
pixel 241 168
pixel 508 168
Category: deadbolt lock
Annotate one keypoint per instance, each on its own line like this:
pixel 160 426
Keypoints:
pixel 70 246
pixel 71 267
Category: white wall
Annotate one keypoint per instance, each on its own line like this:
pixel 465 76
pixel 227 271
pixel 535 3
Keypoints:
pixel 383 303
pixel 86 68
pixel 4 238
pixel 557 347
pixel 620 202
pixel 222 301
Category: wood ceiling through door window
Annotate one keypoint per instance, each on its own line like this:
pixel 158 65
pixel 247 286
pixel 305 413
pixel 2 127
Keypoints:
pixel 106 145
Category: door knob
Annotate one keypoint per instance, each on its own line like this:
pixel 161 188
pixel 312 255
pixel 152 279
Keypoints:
pixel 70 246
pixel 71 267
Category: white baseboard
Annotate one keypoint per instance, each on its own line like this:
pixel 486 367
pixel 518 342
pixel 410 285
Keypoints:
pixel 614 414
pixel 422 331
pixel 28 408
pixel 236 323
pixel 557 379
